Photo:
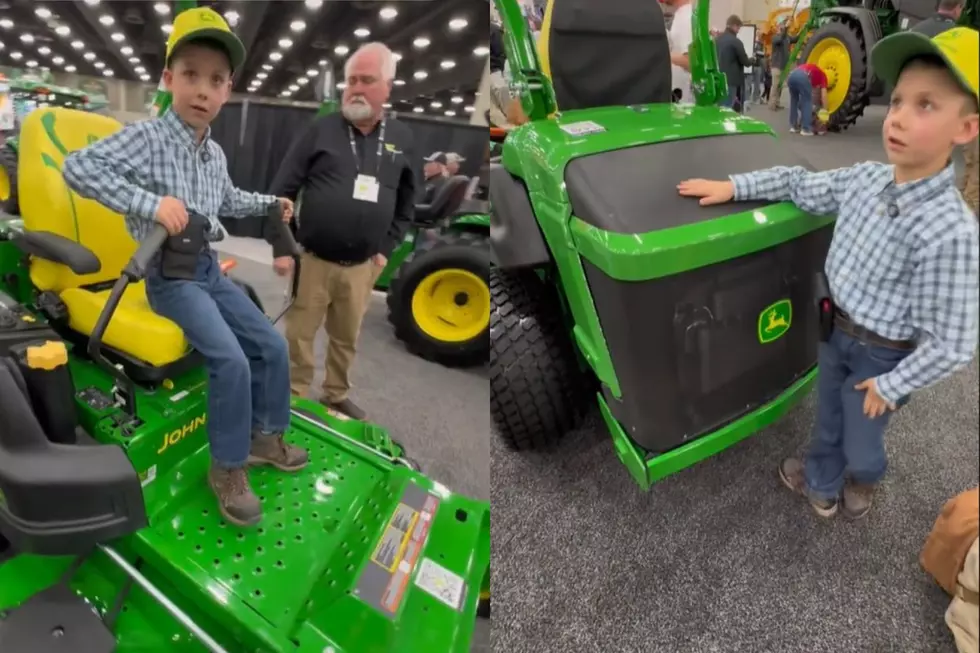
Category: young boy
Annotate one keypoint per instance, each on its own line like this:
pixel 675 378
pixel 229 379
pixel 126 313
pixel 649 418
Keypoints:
pixel 903 265
pixel 160 170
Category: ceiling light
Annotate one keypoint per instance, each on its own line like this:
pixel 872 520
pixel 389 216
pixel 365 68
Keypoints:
pixel 450 113
pixel 314 4
pixel 118 37
pixel 1 45
pixel 303 81
pixel 167 28
pixel 457 24
pixel 418 110
pixel 126 50
pixel 420 74
pixel 89 56
pixel 108 73
pixel 436 105
pixel 397 56
pixel 386 105
pixel 468 108
pixel 285 43
pixel 43 13
pixel 297 26
pixel 421 42
pixel 92 3
pixel 362 32
pixel 313 72
pixel 388 13
pixel 26 38
pixel 341 85
pixel 139 70
pixel 44 50
pixel 58 61
pixel 481 51
pixel 145 78
pixel 275 56
pixel 134 60
pixel 456 99
pixel 99 65
pixel 232 17
pixel 447 64
pixel 106 19
pixel 399 82
pixel 6 23
pixel 293 88
pixel 266 66
pixel 161 8
pixel 16 56
pixel 341 50
pixel 77 45
pixel 261 75
pixel 70 69
pixel 31 64
pixel 286 94
pixel 62 30
pixel 322 62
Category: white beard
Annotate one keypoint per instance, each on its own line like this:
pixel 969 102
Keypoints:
pixel 357 111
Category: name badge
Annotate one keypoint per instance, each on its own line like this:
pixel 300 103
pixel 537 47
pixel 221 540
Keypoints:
pixel 366 189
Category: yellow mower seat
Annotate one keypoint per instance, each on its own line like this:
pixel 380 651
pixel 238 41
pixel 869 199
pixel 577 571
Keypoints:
pixel 47 136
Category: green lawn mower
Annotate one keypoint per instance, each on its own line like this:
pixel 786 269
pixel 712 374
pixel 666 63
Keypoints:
pixel 692 327
pixel 110 539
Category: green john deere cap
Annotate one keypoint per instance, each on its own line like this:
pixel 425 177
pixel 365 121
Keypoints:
pixel 205 23
pixel 959 48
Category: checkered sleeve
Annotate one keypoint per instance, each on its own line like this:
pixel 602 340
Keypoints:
pixel 946 310
pixel 104 171
pixel 819 193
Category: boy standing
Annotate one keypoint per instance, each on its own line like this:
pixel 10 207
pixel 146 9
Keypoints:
pixel 160 170
pixel 903 264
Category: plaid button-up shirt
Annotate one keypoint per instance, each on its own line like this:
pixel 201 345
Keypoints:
pixel 133 169
pixel 904 261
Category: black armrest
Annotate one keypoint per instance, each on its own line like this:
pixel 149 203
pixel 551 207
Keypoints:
pixel 423 213
pixel 58 249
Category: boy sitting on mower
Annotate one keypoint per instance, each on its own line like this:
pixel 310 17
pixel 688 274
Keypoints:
pixel 902 267
pixel 168 170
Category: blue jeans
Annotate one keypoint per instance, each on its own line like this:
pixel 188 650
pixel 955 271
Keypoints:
pixel 800 100
pixel 247 359
pixel 733 99
pixel 844 438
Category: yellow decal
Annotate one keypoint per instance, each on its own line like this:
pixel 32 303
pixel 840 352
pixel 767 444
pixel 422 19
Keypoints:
pixel 175 436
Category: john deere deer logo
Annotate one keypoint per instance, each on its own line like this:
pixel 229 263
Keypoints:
pixel 775 321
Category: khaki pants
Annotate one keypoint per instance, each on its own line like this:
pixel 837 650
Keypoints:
pixel 776 90
pixel 970 186
pixel 963 615
pixel 338 295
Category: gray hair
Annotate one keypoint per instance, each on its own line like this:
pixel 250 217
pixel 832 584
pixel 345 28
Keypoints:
pixel 388 63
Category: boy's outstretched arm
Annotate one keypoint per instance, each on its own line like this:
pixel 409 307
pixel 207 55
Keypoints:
pixel 238 203
pixel 945 310
pixel 820 193
pixel 104 171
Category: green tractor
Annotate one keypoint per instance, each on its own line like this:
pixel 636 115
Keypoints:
pixel 109 537
pixel 838 37
pixel 20 96
pixel 692 327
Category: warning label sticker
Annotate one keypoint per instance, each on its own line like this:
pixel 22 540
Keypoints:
pixel 441 583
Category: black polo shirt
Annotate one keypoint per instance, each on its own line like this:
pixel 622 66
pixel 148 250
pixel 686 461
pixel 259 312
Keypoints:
pixel 332 224
pixel 935 25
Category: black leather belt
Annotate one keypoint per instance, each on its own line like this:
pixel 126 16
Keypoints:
pixel 844 322
pixel 343 264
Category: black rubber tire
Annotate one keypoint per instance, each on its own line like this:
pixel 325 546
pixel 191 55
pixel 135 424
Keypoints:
pixel 538 391
pixel 468 251
pixel 858 97
pixel 8 159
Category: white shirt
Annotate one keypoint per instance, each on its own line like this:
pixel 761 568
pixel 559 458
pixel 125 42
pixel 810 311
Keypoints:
pixel 680 38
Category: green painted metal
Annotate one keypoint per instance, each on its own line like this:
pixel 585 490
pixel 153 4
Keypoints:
pixel 396 259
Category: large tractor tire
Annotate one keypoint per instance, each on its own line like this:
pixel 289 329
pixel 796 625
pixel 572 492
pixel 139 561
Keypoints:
pixel 439 300
pixel 838 48
pixel 8 181
pixel 538 392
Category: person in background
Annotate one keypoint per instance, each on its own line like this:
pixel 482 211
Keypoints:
pixel 733 60
pixel 453 160
pixel 435 171
pixel 754 91
pixel 357 171
pixel 947 13
pixel 781 42
pixel 802 83
pixel 680 38
pixel 767 80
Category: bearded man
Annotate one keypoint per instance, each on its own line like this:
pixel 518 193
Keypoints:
pixel 358 181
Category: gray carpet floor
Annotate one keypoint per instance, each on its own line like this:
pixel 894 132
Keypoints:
pixel 440 415
pixel 720 558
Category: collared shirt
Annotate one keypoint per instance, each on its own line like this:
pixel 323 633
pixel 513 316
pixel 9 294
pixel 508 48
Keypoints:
pixel 132 170
pixel 904 261
pixel 332 224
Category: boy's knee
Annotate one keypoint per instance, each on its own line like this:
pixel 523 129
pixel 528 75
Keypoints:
pixel 276 350
pixel 230 359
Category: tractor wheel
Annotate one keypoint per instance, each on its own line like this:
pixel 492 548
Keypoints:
pixel 838 48
pixel 8 181
pixel 537 390
pixel 439 301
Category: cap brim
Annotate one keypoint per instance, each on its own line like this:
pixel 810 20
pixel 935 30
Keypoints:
pixel 890 55
pixel 231 42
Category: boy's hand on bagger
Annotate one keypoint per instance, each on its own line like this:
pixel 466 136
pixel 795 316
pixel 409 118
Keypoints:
pixel 874 404
pixel 287 208
pixel 710 192
pixel 172 214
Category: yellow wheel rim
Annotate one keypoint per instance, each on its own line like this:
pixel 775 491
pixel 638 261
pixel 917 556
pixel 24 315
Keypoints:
pixel 4 185
pixel 830 54
pixel 452 305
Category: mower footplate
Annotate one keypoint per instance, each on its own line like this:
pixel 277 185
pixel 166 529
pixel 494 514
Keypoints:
pixel 55 620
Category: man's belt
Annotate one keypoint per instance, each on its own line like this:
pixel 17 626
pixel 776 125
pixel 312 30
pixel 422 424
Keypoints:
pixel 844 322
pixel 341 263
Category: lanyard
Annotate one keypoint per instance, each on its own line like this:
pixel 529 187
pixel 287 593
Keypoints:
pixel 381 145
